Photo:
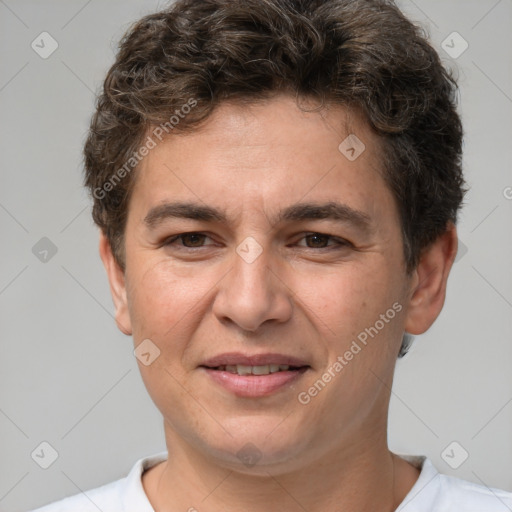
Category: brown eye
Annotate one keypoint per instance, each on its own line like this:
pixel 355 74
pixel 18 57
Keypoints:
pixel 188 241
pixel 192 239
pixel 317 240
pixel 323 241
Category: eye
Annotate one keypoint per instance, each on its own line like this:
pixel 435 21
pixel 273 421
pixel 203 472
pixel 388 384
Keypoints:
pixel 321 241
pixel 195 240
pixel 188 240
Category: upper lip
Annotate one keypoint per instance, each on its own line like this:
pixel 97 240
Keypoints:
pixel 235 358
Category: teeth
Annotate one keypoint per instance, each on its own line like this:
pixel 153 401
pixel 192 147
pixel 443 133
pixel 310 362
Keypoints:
pixel 242 369
pixel 261 370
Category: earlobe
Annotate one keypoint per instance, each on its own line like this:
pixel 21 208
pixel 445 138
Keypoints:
pixel 428 289
pixel 116 279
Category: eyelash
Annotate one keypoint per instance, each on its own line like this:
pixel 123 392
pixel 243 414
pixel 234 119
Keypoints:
pixel 340 242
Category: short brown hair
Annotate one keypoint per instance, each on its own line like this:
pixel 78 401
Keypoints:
pixel 356 53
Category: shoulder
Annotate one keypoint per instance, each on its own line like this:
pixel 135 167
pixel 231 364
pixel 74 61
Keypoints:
pixel 121 495
pixel 471 497
pixel 106 497
pixel 435 492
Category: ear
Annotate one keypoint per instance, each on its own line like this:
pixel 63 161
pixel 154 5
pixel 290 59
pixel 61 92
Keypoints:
pixel 428 283
pixel 117 286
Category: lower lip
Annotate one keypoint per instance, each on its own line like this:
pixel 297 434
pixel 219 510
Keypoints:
pixel 253 386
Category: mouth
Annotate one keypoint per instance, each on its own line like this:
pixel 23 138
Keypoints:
pixel 255 376
pixel 265 369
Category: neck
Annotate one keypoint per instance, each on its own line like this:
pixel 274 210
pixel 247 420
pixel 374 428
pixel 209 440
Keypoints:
pixel 364 476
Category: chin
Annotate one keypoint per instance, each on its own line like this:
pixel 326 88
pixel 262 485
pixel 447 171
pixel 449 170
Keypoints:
pixel 258 446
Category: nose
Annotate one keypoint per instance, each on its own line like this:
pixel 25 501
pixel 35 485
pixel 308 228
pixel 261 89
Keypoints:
pixel 253 293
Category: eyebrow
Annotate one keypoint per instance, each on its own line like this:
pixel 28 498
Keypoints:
pixel 297 212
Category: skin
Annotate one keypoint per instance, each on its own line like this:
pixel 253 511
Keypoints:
pixel 297 298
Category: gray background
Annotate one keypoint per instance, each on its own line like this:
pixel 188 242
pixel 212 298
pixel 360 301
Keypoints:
pixel 68 377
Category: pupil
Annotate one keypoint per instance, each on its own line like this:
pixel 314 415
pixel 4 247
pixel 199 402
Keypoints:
pixel 194 239
pixel 321 238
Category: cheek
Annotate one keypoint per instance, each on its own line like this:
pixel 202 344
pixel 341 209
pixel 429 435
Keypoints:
pixel 165 303
pixel 346 301
pixel 360 345
pixel 163 299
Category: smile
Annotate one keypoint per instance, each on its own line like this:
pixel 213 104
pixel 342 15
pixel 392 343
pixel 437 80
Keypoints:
pixel 266 369
pixel 254 375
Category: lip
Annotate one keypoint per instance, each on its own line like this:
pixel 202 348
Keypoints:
pixel 254 386
pixel 233 358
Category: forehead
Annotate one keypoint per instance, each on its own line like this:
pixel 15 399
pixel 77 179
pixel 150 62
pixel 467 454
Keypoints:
pixel 265 154
pixel 237 131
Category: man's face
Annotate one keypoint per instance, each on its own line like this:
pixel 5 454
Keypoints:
pixel 258 289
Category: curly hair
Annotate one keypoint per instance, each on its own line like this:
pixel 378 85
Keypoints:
pixel 365 54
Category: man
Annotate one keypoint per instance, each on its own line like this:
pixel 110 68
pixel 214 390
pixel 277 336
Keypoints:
pixel 277 184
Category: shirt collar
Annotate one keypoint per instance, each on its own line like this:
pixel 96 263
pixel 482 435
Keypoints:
pixel 134 497
pixel 427 484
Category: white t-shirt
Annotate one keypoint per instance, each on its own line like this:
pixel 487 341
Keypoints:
pixel 432 492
